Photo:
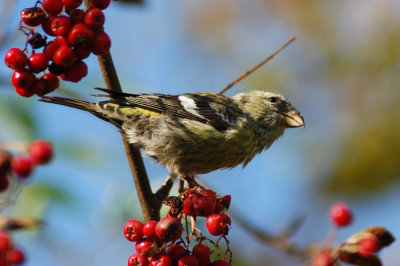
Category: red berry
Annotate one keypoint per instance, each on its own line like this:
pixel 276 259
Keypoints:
pixel 137 260
pixel 217 224
pixel 61 25
pixel 72 3
pixel 369 244
pixel 200 203
pixel 22 166
pixel 61 41
pixel 82 52
pixel 64 57
pixel 102 4
pixel 5 162
pixel 133 230
pixel 146 247
pixel 22 79
pixel 188 207
pixel 149 229
pixel 161 260
pixel 219 207
pixel 50 49
pixel 188 260
pixel 176 251
pixel 322 258
pixel 52 81
pixel 15 256
pixel 101 43
pixel 169 229
pixel 77 16
pixel 38 62
pixel 16 59
pixel 340 214
pixel 29 92
pixel 53 7
pixel 208 193
pixel 46 25
pixel 95 18
pixel 75 73
pixel 204 204
pixel 220 263
pixel 39 87
pixel 33 16
pixel 5 241
pixel 40 151
pixel 202 253
pixel 81 35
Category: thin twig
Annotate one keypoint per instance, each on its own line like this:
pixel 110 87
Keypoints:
pixel 12 223
pixel 148 201
pixel 258 66
pixel 278 241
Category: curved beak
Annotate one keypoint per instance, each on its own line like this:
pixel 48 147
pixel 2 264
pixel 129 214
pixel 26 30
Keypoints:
pixel 293 118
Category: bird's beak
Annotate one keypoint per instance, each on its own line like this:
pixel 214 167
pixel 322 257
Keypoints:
pixel 293 118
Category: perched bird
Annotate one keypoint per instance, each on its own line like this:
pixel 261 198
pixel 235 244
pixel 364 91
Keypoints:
pixel 195 133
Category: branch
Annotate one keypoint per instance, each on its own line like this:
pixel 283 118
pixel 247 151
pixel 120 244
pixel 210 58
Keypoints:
pixel 277 241
pixel 258 66
pixel 148 201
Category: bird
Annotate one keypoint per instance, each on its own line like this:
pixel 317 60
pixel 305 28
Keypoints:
pixel 195 133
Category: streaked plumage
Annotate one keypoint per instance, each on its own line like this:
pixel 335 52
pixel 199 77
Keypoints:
pixel 196 133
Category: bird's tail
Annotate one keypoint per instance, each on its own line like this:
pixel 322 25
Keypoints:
pixel 74 103
pixel 94 108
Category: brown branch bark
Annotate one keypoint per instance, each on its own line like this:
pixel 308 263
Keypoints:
pixel 149 202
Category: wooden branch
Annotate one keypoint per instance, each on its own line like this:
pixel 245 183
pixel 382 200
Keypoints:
pixel 149 203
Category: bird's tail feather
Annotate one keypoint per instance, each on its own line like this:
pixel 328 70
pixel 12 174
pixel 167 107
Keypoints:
pixel 74 103
pixel 82 105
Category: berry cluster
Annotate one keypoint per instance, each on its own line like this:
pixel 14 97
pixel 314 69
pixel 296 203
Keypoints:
pixel 358 249
pixel 8 253
pixel 39 152
pixel 77 33
pixel 161 243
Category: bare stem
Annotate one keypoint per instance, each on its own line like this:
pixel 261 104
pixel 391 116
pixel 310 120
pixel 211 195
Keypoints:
pixel 258 66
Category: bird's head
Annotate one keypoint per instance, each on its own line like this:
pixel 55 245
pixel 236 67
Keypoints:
pixel 270 110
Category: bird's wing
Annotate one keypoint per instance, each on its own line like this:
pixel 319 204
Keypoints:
pixel 209 108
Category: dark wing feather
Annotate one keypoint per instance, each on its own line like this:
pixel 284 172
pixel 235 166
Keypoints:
pixel 215 110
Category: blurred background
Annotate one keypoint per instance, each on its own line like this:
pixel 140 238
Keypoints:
pixel 342 73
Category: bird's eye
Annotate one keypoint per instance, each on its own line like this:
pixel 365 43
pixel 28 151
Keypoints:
pixel 272 99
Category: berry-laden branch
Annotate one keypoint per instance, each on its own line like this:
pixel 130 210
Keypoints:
pixel 17 163
pixel 78 33
pixel 360 248
pixel 149 203
pixel 175 241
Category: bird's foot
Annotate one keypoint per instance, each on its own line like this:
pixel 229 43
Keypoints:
pixel 191 183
